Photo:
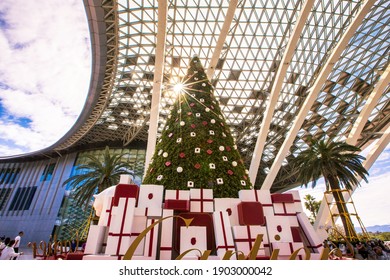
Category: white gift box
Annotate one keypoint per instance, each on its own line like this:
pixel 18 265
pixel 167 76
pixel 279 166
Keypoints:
pixel 166 236
pixel 151 197
pixel 279 229
pixel 201 200
pixel 95 239
pixel 104 219
pixel 139 225
pixel 193 238
pixel 245 236
pixel 287 248
pixel 262 196
pixel 223 234
pixel 228 205
pixel 119 232
pixel 101 257
pixel 314 240
pixel 284 209
pixel 177 194
pixel 297 201
pixel 125 179
pixel 151 240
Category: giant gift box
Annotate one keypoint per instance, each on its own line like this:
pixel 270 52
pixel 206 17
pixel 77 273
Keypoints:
pixel 151 198
pixel 245 236
pixel 223 234
pixel 166 245
pixel 119 232
pixel 193 237
pixel 228 205
pixel 201 200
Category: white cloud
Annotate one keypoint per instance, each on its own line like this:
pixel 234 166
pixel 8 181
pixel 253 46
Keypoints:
pixel 44 70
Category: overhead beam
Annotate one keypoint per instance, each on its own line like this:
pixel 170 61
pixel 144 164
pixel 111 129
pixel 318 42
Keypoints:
pixel 222 38
pixel 274 94
pixel 323 219
pixel 372 101
pixel 158 80
pixel 314 91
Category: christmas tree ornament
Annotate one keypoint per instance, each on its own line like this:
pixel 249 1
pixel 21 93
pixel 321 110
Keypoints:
pixel 182 155
pixel 160 152
pixel 179 169
pixel 221 148
pixel 234 163
pixel 197 150
pixel 192 104
pixel 211 132
pixel 168 163
pixel 224 158
pixel 204 123
pixel 170 135
pixel 207 109
pixel 179 111
pixel 223 134
pixel 197 115
pixel 212 165
pixel 190 184
pixel 201 100
pixel 178 140
pixel 193 125
pixel 209 152
pixel 197 165
pixel 212 121
pixel 182 123
pixel 193 134
pixel 209 141
pixel 159 177
pixel 219 181
pixel 165 154
pixel 230 172
pixel 243 183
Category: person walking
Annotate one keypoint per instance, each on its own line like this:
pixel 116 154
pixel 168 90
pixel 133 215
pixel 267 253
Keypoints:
pixel 18 239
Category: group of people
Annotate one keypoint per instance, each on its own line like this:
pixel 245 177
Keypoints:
pixel 374 249
pixel 9 248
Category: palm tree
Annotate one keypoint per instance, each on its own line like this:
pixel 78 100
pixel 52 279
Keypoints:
pixel 313 206
pixel 96 175
pixel 340 165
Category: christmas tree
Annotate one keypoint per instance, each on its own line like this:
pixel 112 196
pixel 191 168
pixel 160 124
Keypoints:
pixel 196 148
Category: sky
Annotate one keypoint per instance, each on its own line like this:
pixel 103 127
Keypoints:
pixel 45 65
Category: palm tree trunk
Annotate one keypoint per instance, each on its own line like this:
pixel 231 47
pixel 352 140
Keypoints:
pixel 342 209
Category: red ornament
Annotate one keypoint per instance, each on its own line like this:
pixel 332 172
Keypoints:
pixel 230 172
pixel 209 141
pixel 209 152
pixel 182 155
pixel 193 126
pixel 197 166
pixel 245 177
pixel 204 123
pixel 222 124
pixel 228 148
pixel 192 104
pixel 168 163
pixel 189 113
pixel 212 107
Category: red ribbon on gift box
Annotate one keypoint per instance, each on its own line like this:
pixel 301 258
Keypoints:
pixel 151 236
pixel 201 200
pixel 121 234
pixel 225 246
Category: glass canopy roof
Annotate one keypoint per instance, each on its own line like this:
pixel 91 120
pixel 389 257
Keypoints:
pixel 246 70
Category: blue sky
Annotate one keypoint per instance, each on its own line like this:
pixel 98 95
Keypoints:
pixel 44 77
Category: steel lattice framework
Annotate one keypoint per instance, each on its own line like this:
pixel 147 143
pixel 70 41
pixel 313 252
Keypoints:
pixel 278 66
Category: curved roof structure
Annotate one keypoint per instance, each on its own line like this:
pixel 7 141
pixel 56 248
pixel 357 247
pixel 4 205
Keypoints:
pixel 283 71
